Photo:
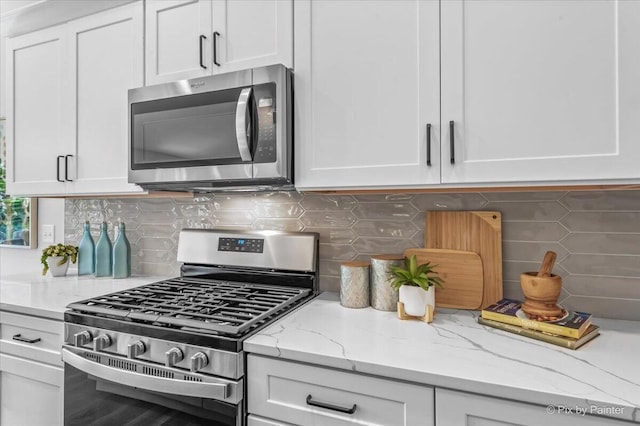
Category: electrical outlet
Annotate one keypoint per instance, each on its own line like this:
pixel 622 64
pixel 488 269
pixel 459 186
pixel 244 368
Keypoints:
pixel 48 233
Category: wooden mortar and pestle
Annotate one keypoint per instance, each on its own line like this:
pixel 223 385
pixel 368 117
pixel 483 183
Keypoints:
pixel 541 290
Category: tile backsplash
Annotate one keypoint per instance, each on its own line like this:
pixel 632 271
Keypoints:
pixel 596 234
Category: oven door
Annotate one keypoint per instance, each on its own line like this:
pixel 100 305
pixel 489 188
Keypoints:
pixel 105 389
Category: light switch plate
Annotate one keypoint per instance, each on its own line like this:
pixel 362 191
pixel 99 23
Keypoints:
pixel 48 233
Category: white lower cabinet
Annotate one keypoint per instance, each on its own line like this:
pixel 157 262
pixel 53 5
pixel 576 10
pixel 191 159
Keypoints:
pixel 301 394
pixel 31 370
pixel 455 408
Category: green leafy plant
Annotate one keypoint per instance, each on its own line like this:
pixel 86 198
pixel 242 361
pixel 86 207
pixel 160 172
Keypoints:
pixel 415 275
pixel 66 251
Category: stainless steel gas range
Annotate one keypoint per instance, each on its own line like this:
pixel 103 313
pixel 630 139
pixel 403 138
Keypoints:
pixel 170 352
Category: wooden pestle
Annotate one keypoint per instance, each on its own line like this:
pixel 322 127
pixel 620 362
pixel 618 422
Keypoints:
pixel 547 264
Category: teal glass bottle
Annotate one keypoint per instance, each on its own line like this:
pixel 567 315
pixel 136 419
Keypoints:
pixel 103 253
pixel 86 252
pixel 121 254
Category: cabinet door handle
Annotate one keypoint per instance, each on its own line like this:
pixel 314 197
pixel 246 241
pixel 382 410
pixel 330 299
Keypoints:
pixel 428 144
pixel 310 401
pixel 19 338
pixel 58 168
pixel 215 47
pixel 452 144
pixel 202 38
pixel 66 168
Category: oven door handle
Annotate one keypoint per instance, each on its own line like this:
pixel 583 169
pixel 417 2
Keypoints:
pixel 219 391
pixel 243 131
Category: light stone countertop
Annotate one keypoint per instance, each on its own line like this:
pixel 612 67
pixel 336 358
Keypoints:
pixel 47 297
pixel 456 352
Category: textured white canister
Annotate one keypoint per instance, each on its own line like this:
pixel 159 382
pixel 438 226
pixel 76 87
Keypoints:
pixel 383 296
pixel 354 284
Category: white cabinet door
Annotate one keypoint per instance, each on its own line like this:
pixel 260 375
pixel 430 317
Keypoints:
pixel 30 392
pixel 464 409
pixel 367 85
pixel 38 91
pixel 253 33
pixel 107 53
pixel 540 91
pixel 178 40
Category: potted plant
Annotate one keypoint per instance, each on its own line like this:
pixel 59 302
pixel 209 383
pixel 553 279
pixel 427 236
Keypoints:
pixel 56 259
pixel 415 285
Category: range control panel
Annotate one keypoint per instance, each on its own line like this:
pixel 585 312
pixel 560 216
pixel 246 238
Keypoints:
pixel 247 245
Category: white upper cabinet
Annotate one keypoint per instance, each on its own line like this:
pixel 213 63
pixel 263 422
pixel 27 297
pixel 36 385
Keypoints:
pixel 540 91
pixel 366 87
pixel 67 104
pixel 195 38
pixel 37 92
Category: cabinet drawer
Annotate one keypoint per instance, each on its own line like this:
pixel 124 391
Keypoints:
pixel 16 328
pixel 309 395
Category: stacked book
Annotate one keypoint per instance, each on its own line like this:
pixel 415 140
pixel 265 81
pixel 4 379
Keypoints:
pixel 571 330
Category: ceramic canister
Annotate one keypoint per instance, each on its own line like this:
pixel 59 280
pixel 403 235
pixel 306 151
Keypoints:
pixel 354 284
pixel 383 296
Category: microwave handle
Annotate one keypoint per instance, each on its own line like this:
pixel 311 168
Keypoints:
pixel 242 134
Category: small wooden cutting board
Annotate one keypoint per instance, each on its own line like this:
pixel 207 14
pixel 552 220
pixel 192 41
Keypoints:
pixel 462 274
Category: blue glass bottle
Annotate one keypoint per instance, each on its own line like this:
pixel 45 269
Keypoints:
pixel 86 252
pixel 103 253
pixel 121 254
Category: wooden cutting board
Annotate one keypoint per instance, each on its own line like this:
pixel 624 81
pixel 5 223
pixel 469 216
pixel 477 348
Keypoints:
pixel 476 231
pixel 462 275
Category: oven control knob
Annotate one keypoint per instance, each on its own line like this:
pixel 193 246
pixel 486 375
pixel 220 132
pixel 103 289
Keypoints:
pixel 135 349
pixel 198 362
pixel 82 338
pixel 101 342
pixel 173 356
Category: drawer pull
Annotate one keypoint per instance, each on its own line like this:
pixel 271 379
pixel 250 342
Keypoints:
pixel 19 338
pixel 310 401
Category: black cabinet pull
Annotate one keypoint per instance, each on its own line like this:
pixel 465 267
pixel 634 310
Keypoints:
pixel 58 168
pixel 428 144
pixel 66 168
pixel 310 401
pixel 202 38
pixel 215 47
pixel 452 143
pixel 19 338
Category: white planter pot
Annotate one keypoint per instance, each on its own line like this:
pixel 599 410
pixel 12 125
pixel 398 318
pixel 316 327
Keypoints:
pixel 57 271
pixel 415 299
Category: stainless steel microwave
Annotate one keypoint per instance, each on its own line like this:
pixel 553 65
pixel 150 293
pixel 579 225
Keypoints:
pixel 226 131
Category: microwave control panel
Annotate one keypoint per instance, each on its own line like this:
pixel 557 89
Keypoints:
pixel 265 101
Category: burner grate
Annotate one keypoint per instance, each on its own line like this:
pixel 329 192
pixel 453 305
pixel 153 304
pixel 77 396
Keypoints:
pixel 220 306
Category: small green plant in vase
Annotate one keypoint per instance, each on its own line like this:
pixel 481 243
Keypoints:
pixel 56 258
pixel 415 284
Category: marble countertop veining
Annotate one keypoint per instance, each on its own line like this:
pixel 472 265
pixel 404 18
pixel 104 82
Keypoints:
pixel 47 297
pixel 456 352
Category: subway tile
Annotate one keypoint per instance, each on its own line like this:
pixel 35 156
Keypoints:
pixel 602 265
pixel 384 228
pixel 195 210
pixel 594 286
pixel 160 216
pixel 70 208
pixel 531 251
pixel 533 231
pixel 242 218
pixel 156 243
pixel 623 309
pixel 524 196
pixel 160 269
pixel 342 219
pixel 292 225
pixel 443 201
pixel 190 223
pixel 122 210
pixel 328 202
pixel 334 235
pixel 155 230
pixel 603 200
pixel 155 256
pixel 279 210
pixel 278 197
pixel 602 222
pixel 512 290
pixel 329 283
pixel 196 199
pixel 341 252
pixel 599 243
pixel 378 198
pixel 418 238
pixel 156 204
pixel 233 202
pixel 511 270
pixel 394 211
pixel 528 210
pixel 330 267
pixel 370 245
